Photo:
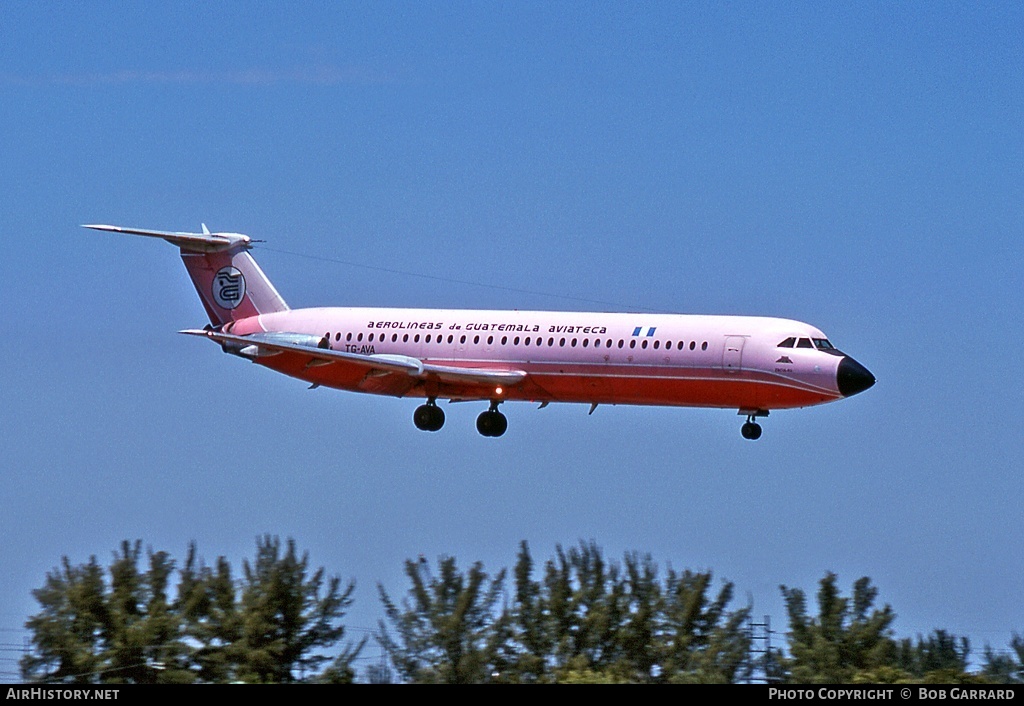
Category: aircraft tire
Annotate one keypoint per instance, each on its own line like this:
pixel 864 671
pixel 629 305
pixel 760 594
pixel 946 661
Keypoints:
pixel 751 431
pixel 500 424
pixel 491 423
pixel 428 417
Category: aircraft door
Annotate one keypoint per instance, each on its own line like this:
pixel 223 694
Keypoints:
pixel 732 357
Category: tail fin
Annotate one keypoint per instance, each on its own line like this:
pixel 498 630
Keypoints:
pixel 229 282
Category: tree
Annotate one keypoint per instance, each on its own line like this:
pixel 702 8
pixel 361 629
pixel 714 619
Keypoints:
pixel 702 641
pixel 529 625
pixel 446 626
pixel 285 620
pixel 212 618
pixel 142 636
pixel 610 622
pixel 848 639
pixel 586 619
pixel 273 629
pixel 940 658
pixel 1006 668
pixel 67 632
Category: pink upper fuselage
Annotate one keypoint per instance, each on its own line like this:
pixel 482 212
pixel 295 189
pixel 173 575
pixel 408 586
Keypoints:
pixel 606 358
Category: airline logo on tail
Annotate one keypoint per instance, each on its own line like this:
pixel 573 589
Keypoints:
pixel 228 287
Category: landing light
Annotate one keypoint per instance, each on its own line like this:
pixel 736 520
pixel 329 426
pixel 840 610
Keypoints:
pixel 498 390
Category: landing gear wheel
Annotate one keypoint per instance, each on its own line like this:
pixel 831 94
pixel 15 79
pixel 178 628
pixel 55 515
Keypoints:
pixel 491 423
pixel 751 430
pixel 428 417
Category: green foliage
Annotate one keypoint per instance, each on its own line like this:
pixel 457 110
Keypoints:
pixel 445 625
pixel 284 618
pixel 848 636
pixel 141 635
pixel 212 619
pixel 704 642
pixel 585 620
pixel 847 639
pixel 1007 668
pixel 67 632
pixel 131 632
pixel 940 656
pixel 579 618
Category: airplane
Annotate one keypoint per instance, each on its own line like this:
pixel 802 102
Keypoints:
pixel 749 363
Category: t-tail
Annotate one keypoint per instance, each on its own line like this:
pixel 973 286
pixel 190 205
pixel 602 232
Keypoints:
pixel 230 283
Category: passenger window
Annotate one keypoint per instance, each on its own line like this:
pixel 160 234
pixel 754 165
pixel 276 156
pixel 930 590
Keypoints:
pixel 656 344
pixel 394 338
pixel 348 336
pixel 463 339
pixel 704 346
pixel 693 344
pixel 476 340
pixel 515 341
pixel 504 340
pixel 359 337
pixel 405 338
pixel 337 336
pixel 416 338
pixel 621 342
pixel 426 340
pixel 490 340
pixel 632 343
pixel 644 344
pixel 450 338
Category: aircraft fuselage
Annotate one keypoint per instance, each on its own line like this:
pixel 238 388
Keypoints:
pixel 604 358
pixel 751 364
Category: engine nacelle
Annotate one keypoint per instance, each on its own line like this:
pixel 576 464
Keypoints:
pixel 251 349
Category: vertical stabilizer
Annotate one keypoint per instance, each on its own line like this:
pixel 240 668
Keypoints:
pixel 229 282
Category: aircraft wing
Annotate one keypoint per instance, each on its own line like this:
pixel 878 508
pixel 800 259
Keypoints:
pixel 264 344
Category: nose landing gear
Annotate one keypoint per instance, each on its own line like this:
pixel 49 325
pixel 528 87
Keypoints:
pixel 428 417
pixel 751 429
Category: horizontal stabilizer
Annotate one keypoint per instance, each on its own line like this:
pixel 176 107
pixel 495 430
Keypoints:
pixel 268 343
pixel 191 242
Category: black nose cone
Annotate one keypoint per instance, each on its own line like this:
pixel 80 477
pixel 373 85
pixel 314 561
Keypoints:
pixel 852 377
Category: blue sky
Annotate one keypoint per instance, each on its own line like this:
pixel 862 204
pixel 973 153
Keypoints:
pixel 856 167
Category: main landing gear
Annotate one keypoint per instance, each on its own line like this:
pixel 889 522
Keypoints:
pixel 428 417
pixel 492 422
pixel 751 429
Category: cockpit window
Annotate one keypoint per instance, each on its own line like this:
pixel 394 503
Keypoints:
pixel 804 343
pixel 788 343
pixel 823 344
